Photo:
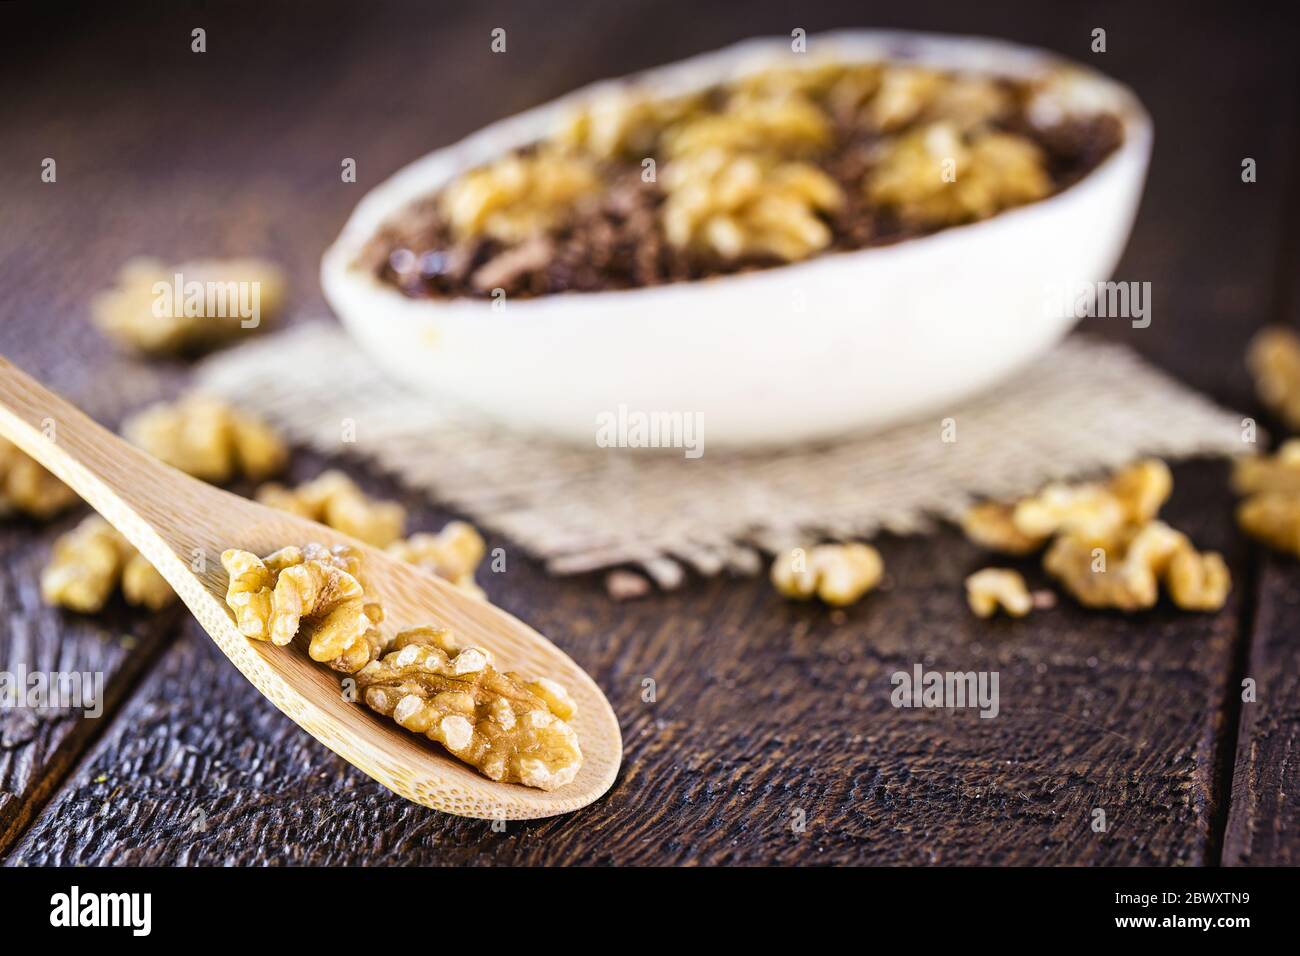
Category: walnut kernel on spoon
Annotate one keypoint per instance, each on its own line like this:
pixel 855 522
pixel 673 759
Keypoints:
pixel 510 730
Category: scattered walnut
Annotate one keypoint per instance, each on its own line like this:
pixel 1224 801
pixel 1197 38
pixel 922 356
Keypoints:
pixel 510 730
pixel 208 439
pixel 1274 360
pixel 27 487
pixel 453 553
pixel 1273 518
pixel 315 589
pixel 990 525
pixel 142 585
pixel 1090 510
pixel 936 176
pixel 1270 512
pixel 518 196
pixel 839 574
pixel 1108 549
pixel 143 311
pixel 993 588
pixel 745 205
pixel 333 499
pixel 1279 472
pixel 1198 581
pixel 89 562
pixel 1125 572
pixel 1142 488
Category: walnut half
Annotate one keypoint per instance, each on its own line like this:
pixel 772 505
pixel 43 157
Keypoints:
pixel 93 559
pixel 989 589
pixel 1125 573
pixel 159 309
pixel 27 487
pixel 208 439
pixel 510 730
pixel 332 498
pixel 1270 512
pixel 1274 360
pixel 1094 510
pixel 838 574
pixel 314 589
pixel 453 553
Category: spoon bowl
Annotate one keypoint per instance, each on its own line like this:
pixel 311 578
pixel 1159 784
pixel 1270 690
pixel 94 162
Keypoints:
pixel 182 525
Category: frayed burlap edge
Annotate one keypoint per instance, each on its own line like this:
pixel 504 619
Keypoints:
pixel 1085 407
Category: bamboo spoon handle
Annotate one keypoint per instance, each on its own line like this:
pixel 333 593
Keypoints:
pixel 132 490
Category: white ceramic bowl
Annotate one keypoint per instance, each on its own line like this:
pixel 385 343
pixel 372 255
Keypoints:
pixel 842 341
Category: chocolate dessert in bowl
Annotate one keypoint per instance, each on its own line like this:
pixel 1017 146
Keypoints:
pixel 788 245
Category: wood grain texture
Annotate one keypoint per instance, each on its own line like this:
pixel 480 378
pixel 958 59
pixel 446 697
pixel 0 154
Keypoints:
pixel 1265 815
pixel 763 709
pixel 1263 826
pixel 39 744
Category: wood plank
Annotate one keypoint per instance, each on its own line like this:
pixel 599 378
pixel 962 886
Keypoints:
pixel 1263 826
pixel 38 740
pixel 763 709
pixel 1263 822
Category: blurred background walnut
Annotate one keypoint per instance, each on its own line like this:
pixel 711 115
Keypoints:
pixel 747 205
pixel 92 560
pixel 453 553
pixel 1270 512
pixel 1107 549
pixel 1274 360
pixel 315 589
pixel 1198 581
pixel 208 439
pixel 1272 518
pixel 1094 510
pixel 27 487
pixel 838 574
pixel 212 302
pixel 991 525
pixel 1126 572
pixel 989 589
pixel 332 498
pixel 518 196
pixel 1279 472
pixel 511 730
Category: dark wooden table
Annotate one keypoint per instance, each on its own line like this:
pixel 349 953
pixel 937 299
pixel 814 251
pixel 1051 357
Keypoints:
pixel 766 712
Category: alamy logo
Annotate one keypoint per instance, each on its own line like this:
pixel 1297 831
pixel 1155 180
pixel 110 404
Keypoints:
pixel 212 300
pixel 1102 300
pixel 922 688
pixel 629 428
pixel 53 690
pixel 103 909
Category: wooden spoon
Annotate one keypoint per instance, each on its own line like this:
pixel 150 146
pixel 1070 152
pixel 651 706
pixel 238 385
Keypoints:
pixel 180 523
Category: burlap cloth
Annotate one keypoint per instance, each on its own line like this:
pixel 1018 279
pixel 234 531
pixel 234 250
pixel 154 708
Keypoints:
pixel 1085 407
